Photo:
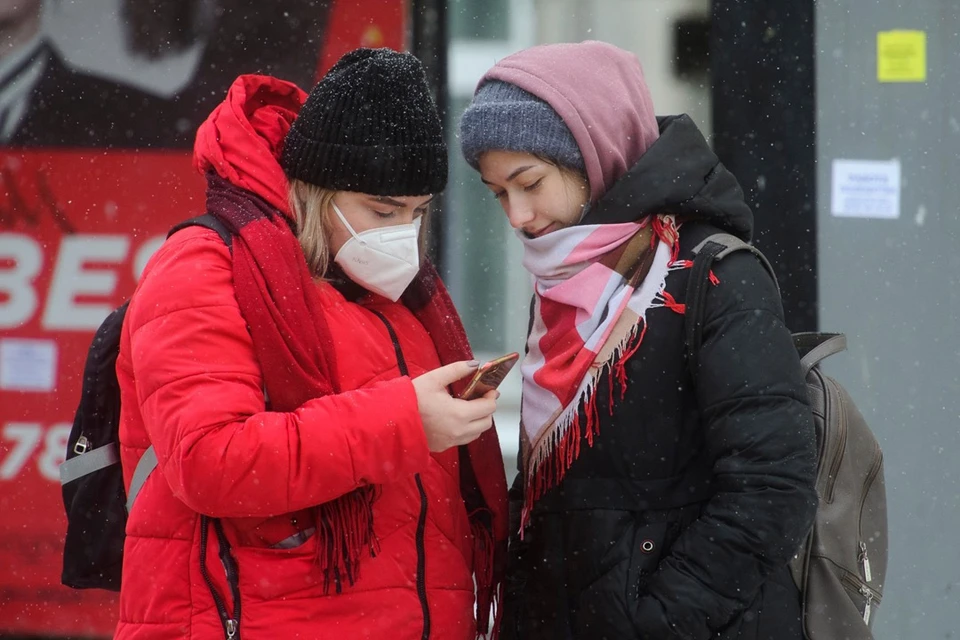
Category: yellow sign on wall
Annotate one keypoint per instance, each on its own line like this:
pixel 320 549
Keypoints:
pixel 902 56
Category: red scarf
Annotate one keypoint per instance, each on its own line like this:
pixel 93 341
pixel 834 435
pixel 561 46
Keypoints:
pixel 275 291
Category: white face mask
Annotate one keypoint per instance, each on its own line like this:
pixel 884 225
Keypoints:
pixel 384 260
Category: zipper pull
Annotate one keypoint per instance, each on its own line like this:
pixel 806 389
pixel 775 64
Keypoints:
pixel 232 628
pixel 867 608
pixel 865 561
pixel 81 446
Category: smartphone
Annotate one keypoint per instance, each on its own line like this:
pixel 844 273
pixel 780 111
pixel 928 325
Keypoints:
pixel 489 376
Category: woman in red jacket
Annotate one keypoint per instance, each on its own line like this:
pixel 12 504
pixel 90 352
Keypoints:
pixel 315 477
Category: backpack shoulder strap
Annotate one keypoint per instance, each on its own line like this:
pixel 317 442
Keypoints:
pixel 90 462
pixel 814 347
pixel 727 244
pixel 148 462
pixel 210 222
pixel 715 247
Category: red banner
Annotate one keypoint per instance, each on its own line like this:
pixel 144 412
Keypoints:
pixel 77 225
pixel 372 23
pixel 78 229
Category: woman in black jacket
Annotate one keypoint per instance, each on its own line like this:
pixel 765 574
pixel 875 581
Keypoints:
pixel 648 504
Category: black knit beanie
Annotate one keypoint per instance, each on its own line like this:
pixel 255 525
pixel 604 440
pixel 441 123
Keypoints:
pixel 371 126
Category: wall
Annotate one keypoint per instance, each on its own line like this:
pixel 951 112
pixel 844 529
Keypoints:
pixel 891 285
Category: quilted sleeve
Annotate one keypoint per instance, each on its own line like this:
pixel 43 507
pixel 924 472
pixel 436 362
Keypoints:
pixel 760 439
pixel 199 389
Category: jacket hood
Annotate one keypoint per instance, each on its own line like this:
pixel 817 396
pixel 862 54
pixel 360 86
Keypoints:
pixel 242 138
pixel 600 93
pixel 678 174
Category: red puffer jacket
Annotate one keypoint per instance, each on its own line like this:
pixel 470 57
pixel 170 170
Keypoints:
pixel 191 386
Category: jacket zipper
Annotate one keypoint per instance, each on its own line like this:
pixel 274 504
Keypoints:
pixel 233 577
pixel 231 625
pixel 422 520
pixel 422 559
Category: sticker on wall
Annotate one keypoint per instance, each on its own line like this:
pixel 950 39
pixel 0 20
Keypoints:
pixel 902 56
pixel 866 189
pixel 28 365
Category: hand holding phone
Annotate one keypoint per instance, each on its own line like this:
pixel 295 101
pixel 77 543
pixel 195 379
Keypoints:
pixel 449 421
pixel 489 376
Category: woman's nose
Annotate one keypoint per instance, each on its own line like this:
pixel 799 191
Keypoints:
pixel 519 215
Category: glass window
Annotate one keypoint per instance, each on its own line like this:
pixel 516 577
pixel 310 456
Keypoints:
pixel 474 243
pixel 479 19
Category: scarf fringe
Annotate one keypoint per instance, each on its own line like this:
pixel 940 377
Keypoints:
pixel 667 300
pixel 668 231
pixel 562 448
pixel 488 592
pixel 345 527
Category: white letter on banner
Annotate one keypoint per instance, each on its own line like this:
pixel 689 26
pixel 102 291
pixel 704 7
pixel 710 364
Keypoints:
pixel 70 279
pixel 17 282
pixel 146 251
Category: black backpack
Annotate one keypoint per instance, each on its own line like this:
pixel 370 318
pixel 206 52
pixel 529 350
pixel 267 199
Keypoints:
pixel 90 476
pixel 841 566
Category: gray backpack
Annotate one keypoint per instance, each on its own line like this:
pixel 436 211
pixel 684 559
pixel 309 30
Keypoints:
pixel 841 566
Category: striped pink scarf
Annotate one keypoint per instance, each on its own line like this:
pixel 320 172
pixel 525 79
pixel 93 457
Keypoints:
pixel 593 285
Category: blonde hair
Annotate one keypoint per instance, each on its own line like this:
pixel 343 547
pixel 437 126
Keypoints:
pixel 311 206
pixel 311 211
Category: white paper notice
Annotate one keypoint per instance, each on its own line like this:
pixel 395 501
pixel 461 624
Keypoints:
pixel 28 365
pixel 866 189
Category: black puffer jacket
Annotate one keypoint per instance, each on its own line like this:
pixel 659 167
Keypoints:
pixel 679 521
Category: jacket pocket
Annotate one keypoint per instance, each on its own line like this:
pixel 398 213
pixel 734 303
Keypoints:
pixel 271 531
pixel 645 554
pixel 601 610
pixel 864 597
pixel 290 570
pixel 604 608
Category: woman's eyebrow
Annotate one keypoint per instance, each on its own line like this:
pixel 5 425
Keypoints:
pixel 513 175
pixel 389 201
pixel 396 203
